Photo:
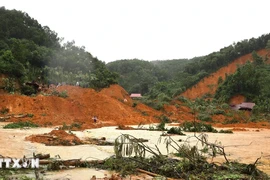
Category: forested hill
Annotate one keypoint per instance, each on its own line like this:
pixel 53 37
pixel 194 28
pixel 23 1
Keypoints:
pixel 32 52
pixel 140 76
pixel 161 81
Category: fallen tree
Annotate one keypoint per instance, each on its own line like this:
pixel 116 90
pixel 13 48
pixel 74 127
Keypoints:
pixel 189 161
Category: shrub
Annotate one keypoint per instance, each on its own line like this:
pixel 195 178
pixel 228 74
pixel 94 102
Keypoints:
pixel 63 94
pixel 175 130
pixel 232 121
pixel 28 90
pixel 30 115
pixel 182 99
pixel 225 131
pixel 164 118
pixel 72 126
pixel 198 127
pixel 20 124
pixel 225 106
pixel 9 84
pixel 4 110
pixel 205 117
pixel 218 111
pixel 161 126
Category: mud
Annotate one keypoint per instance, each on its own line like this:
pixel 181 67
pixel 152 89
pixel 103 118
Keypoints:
pixel 243 146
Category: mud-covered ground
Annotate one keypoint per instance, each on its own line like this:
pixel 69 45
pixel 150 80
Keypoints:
pixel 244 145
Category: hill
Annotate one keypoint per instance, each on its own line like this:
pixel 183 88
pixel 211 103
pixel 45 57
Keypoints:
pixel 30 52
pixel 79 107
pixel 209 84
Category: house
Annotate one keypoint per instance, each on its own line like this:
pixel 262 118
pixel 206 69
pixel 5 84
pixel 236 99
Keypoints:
pixel 135 95
pixel 243 106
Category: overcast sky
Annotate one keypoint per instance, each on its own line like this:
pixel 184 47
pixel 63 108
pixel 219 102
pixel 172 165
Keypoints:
pixel 150 29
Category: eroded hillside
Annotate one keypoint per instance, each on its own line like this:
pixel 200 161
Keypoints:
pixel 112 106
pixel 209 84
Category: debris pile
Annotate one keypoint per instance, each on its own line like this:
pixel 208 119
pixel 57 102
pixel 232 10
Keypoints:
pixel 55 138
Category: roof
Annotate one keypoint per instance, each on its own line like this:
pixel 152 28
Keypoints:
pixel 244 106
pixel 135 95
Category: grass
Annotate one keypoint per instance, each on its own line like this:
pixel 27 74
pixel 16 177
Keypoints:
pixel 20 124
pixel 73 126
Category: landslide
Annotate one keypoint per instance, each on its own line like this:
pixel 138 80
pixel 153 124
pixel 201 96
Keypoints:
pixel 112 106
pixel 180 112
pixel 209 84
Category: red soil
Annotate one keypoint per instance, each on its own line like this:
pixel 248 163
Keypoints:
pixel 112 105
pixel 79 107
pixel 237 99
pixel 237 126
pixel 179 112
pixel 55 138
pixel 209 84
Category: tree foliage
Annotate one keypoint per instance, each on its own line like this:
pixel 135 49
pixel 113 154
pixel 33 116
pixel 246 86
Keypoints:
pixel 32 52
pixel 250 80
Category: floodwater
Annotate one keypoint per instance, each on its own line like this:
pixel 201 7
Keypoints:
pixel 242 146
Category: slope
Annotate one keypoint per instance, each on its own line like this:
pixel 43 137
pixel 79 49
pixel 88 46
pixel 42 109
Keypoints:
pixel 209 84
pixel 79 107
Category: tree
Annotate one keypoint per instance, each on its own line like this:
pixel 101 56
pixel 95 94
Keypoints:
pixel 258 60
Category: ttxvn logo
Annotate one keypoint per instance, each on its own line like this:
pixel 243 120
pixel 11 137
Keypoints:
pixel 19 163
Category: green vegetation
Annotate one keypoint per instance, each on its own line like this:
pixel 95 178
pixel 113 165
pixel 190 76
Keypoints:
pixel 20 124
pixel 62 94
pixel 175 130
pixel 30 52
pixel 250 80
pixel 30 115
pixel 73 126
pixel 19 174
pixel 4 110
pixel 198 127
pixel 161 81
pixel 130 155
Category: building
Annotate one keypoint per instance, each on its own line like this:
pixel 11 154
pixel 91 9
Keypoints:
pixel 244 106
pixel 135 95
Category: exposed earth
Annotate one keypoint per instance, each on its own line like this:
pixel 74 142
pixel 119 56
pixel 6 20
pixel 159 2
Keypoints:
pixel 209 84
pixel 113 107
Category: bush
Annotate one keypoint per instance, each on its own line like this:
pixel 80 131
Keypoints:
pixel 232 121
pixel 218 111
pixel 182 99
pixel 225 131
pixel 73 126
pixel 62 94
pixel 20 125
pixel 28 90
pixel 9 84
pixel 205 117
pixel 161 126
pixel 198 127
pixel 175 130
pixel 4 110
pixel 225 106
pixel 164 118
pixel 30 115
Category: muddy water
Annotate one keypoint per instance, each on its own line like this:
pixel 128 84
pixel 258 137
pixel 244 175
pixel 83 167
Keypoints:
pixel 243 146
